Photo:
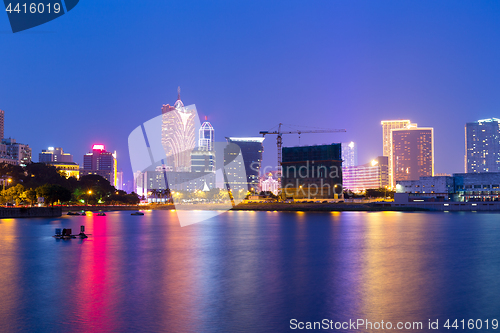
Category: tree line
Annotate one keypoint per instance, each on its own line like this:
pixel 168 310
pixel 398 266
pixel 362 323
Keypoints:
pixel 24 185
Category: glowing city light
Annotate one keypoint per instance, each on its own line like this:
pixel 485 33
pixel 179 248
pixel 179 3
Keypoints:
pixel 98 147
pixel 51 148
pixel 374 162
pixel 351 145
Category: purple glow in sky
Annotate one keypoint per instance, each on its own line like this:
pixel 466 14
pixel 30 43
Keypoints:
pixel 106 67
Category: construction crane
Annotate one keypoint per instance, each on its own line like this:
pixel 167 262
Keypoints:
pixel 279 139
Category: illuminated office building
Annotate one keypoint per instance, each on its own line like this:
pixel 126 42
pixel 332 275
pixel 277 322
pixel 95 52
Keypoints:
pixel 371 175
pixel 54 155
pixel 2 116
pixel 387 127
pixel 349 154
pixel 412 153
pixel 100 162
pixel 251 151
pixel 178 135
pixel 482 146
pixel 206 137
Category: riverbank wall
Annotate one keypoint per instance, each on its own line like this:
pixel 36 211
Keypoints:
pixel 17 212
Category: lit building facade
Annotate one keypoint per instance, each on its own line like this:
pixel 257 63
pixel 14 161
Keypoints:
pixel 371 175
pixel 270 184
pixel 178 135
pixel 100 162
pixel 203 156
pixel 19 153
pixel 482 146
pixel 387 127
pixel 412 153
pixel 70 169
pixel 349 154
pixel 312 172
pixel 206 137
pixel 460 187
pixel 2 116
pixel 251 150
pixel 54 155
pixel 119 181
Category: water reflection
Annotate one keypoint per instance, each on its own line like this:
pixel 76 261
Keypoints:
pixel 246 271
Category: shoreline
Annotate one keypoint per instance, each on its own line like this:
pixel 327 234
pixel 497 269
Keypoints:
pixel 282 207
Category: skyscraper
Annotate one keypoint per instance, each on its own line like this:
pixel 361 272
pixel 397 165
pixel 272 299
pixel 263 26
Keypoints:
pixel 349 154
pixel 251 151
pixel 482 146
pixel 206 140
pixel 54 155
pixel 2 114
pixel 387 127
pixel 100 162
pixel 412 153
pixel 178 135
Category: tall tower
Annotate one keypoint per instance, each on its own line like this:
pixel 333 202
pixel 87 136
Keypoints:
pixel 206 140
pixel 387 127
pixel 482 146
pixel 178 135
pixel 349 154
pixel 412 153
pixel 1 124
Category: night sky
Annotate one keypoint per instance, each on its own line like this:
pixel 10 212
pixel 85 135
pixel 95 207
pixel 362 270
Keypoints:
pixel 98 72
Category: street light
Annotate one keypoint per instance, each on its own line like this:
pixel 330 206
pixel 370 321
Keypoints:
pixel 89 193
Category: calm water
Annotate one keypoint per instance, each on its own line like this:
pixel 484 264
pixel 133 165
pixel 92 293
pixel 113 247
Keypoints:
pixel 247 271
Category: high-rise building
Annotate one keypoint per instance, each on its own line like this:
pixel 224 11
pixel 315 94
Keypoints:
pixel 2 114
pixel 312 172
pixel 372 175
pixel 251 150
pixel 119 180
pixel 482 146
pixel 54 155
pixel 387 127
pixel 178 135
pixel 203 156
pixel 206 140
pixel 100 162
pixel 15 151
pixel 349 154
pixel 412 153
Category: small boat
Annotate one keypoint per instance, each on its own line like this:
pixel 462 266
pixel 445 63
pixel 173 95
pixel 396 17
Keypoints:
pixel 66 233
pixel 72 213
pixel 137 213
pixel 101 214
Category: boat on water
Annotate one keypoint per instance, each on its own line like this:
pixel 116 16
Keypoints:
pixel 101 214
pixel 73 213
pixel 66 233
pixel 137 213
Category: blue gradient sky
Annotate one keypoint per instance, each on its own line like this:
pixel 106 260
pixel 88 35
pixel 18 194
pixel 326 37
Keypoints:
pixel 104 68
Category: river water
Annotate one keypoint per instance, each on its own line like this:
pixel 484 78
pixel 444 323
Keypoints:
pixel 248 271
